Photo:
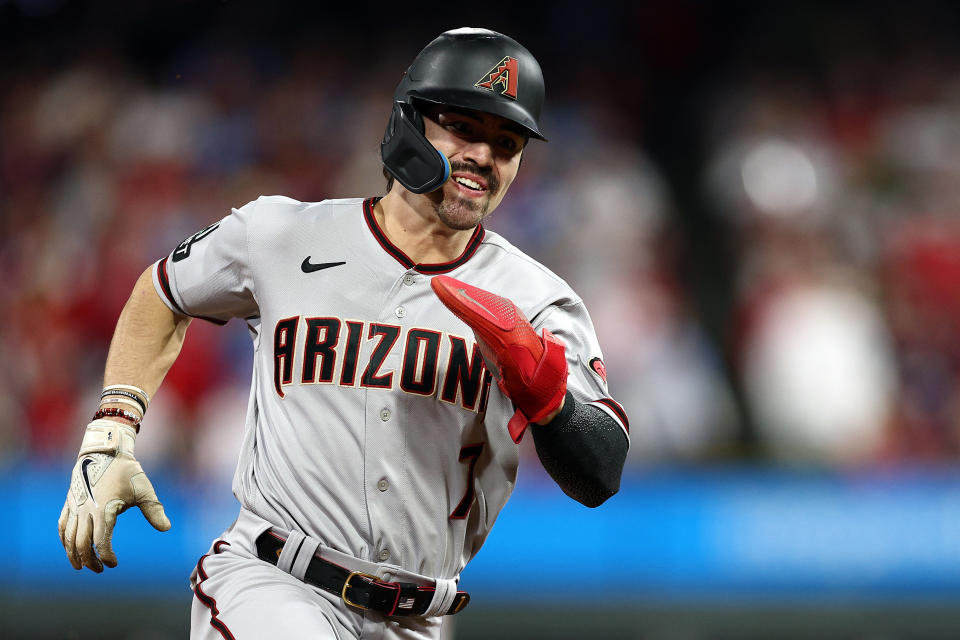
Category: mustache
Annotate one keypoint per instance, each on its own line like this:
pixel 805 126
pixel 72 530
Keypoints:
pixel 493 183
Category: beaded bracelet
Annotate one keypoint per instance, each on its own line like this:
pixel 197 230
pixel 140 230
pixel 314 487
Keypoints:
pixel 119 413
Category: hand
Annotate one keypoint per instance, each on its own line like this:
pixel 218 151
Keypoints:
pixel 107 480
pixel 531 369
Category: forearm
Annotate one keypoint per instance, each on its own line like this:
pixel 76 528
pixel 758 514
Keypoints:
pixel 583 449
pixel 146 341
pixel 107 479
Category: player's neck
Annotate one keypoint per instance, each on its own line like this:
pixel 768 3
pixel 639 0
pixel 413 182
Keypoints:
pixel 419 233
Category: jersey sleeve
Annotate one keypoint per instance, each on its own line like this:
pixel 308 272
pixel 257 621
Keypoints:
pixel 587 379
pixel 208 275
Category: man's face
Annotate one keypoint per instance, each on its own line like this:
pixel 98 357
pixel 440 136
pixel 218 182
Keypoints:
pixel 484 152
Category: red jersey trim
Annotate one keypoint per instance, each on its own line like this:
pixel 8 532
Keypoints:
pixel 207 600
pixel 442 267
pixel 165 286
pixel 617 410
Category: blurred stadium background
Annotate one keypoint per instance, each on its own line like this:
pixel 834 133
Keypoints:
pixel 759 203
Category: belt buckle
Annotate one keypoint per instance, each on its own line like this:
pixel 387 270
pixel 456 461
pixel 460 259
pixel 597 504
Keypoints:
pixel 346 585
pixel 459 602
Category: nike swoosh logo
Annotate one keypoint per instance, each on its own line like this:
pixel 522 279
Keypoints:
pixel 86 479
pixel 310 267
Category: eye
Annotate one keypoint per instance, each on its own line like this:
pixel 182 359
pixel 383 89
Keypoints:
pixel 509 144
pixel 459 126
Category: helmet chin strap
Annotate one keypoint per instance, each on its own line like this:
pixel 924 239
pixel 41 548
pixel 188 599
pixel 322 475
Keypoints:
pixel 408 155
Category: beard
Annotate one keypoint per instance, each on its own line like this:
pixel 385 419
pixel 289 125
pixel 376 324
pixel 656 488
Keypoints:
pixel 462 212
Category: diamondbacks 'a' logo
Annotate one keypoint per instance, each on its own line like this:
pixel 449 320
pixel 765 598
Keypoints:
pixel 503 77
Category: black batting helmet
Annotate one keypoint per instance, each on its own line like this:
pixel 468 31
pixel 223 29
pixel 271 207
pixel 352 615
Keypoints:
pixel 474 69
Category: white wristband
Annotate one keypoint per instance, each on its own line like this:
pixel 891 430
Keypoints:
pixel 129 388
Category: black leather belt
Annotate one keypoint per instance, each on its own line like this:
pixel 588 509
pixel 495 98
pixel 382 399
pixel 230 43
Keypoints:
pixel 361 590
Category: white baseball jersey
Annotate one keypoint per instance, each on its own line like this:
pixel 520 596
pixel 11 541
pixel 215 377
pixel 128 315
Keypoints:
pixel 372 423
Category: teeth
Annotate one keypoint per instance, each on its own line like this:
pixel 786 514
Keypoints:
pixel 468 182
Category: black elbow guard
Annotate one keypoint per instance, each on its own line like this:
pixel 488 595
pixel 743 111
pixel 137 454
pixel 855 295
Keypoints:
pixel 583 449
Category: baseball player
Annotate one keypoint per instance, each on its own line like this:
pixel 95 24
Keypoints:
pixel 401 353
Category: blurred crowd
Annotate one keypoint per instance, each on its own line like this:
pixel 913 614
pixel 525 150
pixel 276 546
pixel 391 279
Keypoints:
pixel 842 200
pixel 838 204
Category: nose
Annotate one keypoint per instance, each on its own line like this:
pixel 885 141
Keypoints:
pixel 480 152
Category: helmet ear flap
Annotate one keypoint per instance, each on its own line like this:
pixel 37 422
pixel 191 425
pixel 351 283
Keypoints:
pixel 408 155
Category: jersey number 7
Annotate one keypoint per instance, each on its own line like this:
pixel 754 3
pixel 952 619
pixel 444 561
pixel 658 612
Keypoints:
pixel 470 453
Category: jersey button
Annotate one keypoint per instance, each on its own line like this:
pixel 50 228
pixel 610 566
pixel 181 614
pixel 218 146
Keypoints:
pixel 385 414
pixel 383 485
pixel 409 279
pixel 400 312
pixel 384 555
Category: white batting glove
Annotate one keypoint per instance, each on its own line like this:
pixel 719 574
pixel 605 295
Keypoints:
pixel 107 480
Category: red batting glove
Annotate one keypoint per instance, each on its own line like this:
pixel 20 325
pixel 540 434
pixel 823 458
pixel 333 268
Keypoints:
pixel 531 370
